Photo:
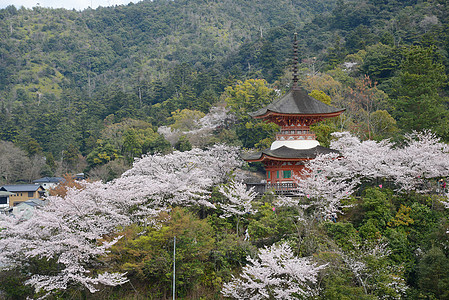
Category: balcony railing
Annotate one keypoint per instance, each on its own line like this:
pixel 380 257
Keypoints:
pixel 283 188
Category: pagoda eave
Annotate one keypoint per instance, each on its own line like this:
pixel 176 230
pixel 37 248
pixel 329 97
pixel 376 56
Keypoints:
pixel 272 158
pixel 287 154
pixel 274 115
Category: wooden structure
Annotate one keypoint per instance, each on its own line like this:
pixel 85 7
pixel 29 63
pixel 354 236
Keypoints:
pixel 295 144
pixel 22 192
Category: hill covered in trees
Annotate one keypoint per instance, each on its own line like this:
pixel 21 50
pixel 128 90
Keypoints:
pixel 92 90
pixel 68 75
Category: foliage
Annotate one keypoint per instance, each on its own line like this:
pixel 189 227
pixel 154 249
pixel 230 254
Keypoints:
pixel 94 84
pixel 103 154
pixel 431 275
pixel 183 144
pixel 146 254
pixel 417 90
pixel 86 70
pixel 17 166
pixel 320 95
pixel 74 230
pixel 248 96
pixel 275 273
pixel 185 120
pixel 238 200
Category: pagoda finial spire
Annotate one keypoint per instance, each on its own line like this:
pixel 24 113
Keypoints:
pixel 295 63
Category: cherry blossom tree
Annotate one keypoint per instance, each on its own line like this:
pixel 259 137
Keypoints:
pixel 170 134
pixel 275 274
pixel 180 178
pixel 204 127
pixel 239 200
pixel 217 116
pixel 331 178
pixel 69 230
pixel 74 230
pixel 325 184
pixel 421 157
pixel 371 269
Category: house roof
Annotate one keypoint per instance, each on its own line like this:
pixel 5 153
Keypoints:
pixel 49 180
pixel 79 176
pixel 285 153
pixel 21 187
pixel 297 102
pixel 32 202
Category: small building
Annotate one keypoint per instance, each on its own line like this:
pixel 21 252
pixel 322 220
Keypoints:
pixel 79 176
pixel 49 182
pixel 25 209
pixel 23 192
pixel 295 144
pixel 4 199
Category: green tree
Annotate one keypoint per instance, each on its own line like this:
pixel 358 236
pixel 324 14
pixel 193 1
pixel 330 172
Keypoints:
pixel 381 62
pixel 131 146
pixel 185 120
pixel 432 273
pixel 377 207
pixel 147 253
pixel 254 133
pixel 70 156
pixel 417 94
pixel 248 96
pixel 32 147
pixel 102 154
pixel 183 144
pixel 158 145
pixel 383 125
pixel 320 95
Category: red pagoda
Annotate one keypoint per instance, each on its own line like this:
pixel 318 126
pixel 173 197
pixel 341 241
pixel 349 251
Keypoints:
pixel 295 144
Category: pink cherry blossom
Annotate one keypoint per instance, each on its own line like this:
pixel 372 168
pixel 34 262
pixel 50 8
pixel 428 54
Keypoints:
pixel 73 230
pixel 275 274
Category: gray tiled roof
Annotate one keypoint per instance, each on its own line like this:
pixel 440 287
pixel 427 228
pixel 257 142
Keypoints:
pixel 297 101
pixel 20 187
pixel 49 179
pixel 289 153
pixel 34 202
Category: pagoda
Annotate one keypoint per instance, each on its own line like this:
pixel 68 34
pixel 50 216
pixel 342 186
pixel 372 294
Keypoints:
pixel 295 144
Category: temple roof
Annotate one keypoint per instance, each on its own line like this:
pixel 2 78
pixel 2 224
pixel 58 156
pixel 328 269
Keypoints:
pixel 297 102
pixel 285 153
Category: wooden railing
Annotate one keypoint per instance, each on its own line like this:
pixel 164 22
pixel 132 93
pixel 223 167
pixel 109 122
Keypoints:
pixel 284 188
pixel 431 187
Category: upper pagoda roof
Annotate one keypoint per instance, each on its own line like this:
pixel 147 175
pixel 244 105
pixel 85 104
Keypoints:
pixel 297 103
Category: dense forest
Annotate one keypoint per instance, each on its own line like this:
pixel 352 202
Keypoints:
pixel 70 79
pixel 89 91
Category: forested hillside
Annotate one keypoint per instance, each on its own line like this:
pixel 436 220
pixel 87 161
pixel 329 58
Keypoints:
pixel 68 75
pixel 171 84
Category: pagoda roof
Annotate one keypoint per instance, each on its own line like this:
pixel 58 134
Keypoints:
pixel 297 102
pixel 288 154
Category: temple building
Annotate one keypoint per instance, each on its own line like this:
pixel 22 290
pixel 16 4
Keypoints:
pixel 295 144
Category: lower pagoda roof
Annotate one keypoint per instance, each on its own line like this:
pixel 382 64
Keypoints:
pixel 288 154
